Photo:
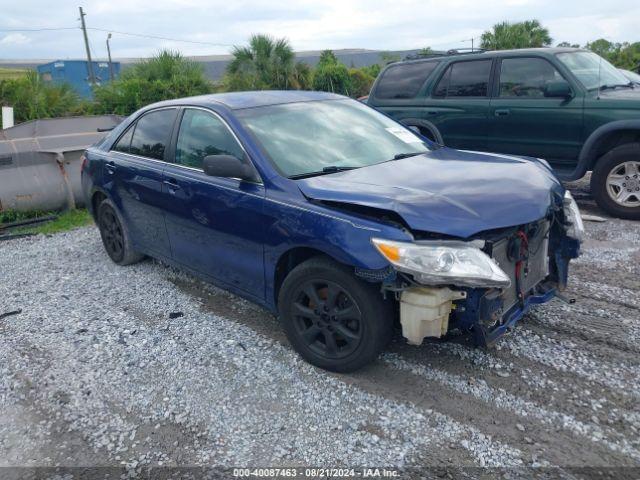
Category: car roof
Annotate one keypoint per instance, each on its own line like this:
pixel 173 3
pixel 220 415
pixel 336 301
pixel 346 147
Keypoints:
pixel 252 99
pixel 490 53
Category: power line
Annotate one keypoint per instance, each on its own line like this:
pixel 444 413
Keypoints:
pixel 155 37
pixel 36 29
pixel 131 34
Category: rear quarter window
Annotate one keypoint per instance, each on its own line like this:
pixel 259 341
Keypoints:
pixel 404 80
pixel 124 142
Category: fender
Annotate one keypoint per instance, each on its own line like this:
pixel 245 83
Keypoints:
pixel 89 199
pixel 419 122
pixel 588 158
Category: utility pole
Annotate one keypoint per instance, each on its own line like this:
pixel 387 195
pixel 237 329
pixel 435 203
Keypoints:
pixel 109 55
pixel 472 44
pixel 92 78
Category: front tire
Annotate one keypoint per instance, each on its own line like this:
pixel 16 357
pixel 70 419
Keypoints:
pixel 115 235
pixel 615 182
pixel 332 319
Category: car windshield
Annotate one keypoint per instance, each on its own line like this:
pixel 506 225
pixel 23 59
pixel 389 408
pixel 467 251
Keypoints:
pixel 633 76
pixel 592 70
pixel 319 137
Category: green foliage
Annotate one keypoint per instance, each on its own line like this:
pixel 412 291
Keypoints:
pixel 372 70
pixel 302 76
pixel 330 75
pixel 361 82
pixel 32 98
pixel 167 75
pixel 623 55
pixel 266 63
pixel 506 35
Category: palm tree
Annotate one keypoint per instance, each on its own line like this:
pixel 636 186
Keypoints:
pixel 506 35
pixel 264 63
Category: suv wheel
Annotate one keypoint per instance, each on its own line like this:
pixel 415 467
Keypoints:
pixel 332 319
pixel 615 182
pixel 115 236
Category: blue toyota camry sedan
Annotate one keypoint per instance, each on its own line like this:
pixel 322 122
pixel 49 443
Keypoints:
pixel 335 217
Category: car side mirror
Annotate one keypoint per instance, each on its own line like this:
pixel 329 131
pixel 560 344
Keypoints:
pixel 228 166
pixel 558 89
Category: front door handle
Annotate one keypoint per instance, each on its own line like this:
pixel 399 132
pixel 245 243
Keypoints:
pixel 502 112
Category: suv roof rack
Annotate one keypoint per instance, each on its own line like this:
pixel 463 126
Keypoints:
pixel 463 51
pixel 435 53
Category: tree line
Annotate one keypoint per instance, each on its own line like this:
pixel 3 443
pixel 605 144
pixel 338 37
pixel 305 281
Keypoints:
pixel 264 63
pixel 531 34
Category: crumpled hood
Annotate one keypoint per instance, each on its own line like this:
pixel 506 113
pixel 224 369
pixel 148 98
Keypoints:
pixel 446 191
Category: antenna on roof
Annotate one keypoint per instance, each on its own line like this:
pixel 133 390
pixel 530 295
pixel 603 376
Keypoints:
pixel 599 75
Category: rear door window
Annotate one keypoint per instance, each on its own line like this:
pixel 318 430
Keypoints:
pixel 465 79
pixel 152 133
pixel 526 77
pixel 404 80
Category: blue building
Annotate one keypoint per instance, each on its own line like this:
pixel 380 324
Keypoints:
pixel 76 74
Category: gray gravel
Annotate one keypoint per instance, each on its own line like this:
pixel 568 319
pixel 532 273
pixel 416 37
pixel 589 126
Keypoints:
pixel 96 371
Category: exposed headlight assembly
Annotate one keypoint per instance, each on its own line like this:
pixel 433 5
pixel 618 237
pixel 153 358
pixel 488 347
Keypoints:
pixel 575 229
pixel 444 263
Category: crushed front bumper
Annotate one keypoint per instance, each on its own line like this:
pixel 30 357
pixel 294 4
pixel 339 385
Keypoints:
pixel 485 336
pixel 537 277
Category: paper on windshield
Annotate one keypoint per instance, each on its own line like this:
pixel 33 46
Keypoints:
pixel 403 134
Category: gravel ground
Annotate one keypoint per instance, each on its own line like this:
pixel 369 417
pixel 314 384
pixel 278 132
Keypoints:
pixel 145 366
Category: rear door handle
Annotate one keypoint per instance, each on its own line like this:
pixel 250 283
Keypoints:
pixel 172 184
pixel 111 168
pixel 432 112
pixel 503 112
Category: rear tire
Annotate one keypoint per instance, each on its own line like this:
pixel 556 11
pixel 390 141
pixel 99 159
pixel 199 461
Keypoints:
pixel 425 132
pixel 115 235
pixel 615 182
pixel 332 319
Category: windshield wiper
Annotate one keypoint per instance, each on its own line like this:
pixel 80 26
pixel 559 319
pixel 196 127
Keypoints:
pixel 324 171
pixel 400 156
pixel 618 85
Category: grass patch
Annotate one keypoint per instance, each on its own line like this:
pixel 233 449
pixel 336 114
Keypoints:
pixel 66 221
pixel 9 216
pixel 12 73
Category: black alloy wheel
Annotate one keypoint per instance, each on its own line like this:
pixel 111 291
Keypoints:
pixel 333 319
pixel 112 234
pixel 327 319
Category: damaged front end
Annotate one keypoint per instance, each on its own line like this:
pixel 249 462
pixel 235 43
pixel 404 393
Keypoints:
pixel 486 283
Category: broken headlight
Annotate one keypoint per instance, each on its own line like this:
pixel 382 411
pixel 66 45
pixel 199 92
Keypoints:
pixel 445 262
pixel 575 227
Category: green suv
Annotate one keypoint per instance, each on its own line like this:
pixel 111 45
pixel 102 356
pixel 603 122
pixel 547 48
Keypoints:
pixel 568 106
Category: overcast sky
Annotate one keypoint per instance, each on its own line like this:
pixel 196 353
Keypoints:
pixel 308 24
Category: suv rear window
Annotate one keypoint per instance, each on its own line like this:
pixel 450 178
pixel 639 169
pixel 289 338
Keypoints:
pixel 152 133
pixel 404 80
pixel 465 79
